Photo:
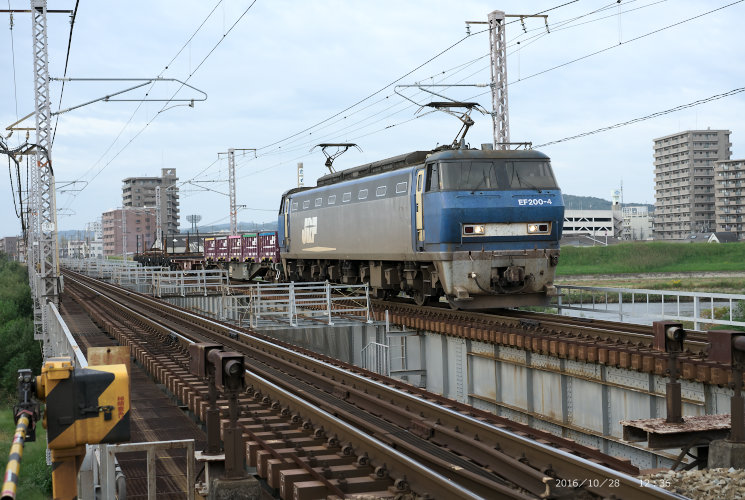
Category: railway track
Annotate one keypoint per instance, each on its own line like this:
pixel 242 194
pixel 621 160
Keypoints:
pixel 317 427
pixel 153 416
pixel 609 343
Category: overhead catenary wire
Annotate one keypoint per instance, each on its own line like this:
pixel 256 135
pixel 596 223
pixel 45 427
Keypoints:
pixel 162 72
pixel 561 25
pixel 341 112
pixel 165 105
pixel 354 128
pixel 67 60
pixel 633 39
pixel 646 117
pixel 13 58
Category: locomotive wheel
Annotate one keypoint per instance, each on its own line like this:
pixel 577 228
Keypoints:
pixel 419 298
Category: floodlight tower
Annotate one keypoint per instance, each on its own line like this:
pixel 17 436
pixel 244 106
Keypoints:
pixel 194 219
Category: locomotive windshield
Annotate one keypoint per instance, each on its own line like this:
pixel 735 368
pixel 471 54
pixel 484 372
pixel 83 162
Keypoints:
pixel 491 175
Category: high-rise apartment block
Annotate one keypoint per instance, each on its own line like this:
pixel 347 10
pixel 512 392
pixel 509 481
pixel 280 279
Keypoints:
pixel 684 181
pixel 139 192
pixel 729 193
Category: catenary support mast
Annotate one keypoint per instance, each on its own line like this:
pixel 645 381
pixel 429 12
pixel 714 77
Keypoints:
pixel 500 111
pixel 231 179
pixel 45 223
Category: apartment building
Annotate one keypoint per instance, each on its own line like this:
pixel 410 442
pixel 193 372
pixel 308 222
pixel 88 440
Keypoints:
pixel 139 224
pixel 9 246
pixel 729 196
pixel 139 192
pixel 684 181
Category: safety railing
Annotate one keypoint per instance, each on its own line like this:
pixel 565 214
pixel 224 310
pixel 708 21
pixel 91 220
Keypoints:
pixel 319 302
pixel 98 268
pixel 108 474
pixel 185 283
pixel 62 343
pixel 374 357
pixel 139 278
pixel 644 306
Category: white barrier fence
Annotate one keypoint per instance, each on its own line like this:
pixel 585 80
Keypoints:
pixel 295 303
pixel 644 306
pixel 153 280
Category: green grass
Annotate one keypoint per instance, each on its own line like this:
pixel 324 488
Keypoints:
pixel 651 257
pixel 35 481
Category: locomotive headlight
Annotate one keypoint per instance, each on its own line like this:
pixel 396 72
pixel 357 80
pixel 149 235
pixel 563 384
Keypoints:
pixel 538 228
pixel 474 229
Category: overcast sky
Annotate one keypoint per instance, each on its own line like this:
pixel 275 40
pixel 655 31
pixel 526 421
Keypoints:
pixel 283 77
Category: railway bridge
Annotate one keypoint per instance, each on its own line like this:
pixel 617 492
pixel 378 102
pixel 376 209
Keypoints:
pixel 343 395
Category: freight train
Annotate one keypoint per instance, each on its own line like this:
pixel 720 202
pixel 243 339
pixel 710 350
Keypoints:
pixel 248 256
pixel 478 227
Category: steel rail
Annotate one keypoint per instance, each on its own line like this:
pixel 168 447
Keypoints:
pixel 592 475
pixel 611 331
pixel 422 479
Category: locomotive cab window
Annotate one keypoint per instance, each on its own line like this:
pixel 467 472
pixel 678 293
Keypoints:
pixel 362 195
pixel 319 202
pixel 530 175
pixel 346 197
pixel 401 187
pixel 306 204
pixel 470 175
pixel 332 199
pixel 434 183
pixel 380 191
pixel 294 206
pixel 493 175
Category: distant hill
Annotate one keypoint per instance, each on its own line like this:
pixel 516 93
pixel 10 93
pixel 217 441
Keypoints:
pixel 242 226
pixel 572 202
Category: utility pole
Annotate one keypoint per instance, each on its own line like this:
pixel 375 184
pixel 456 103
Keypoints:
pixel 231 187
pixel 158 222
pixel 300 178
pixel 124 234
pixel 498 52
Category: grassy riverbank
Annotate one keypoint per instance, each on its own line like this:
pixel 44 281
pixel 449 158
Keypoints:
pixel 629 265
pixel 652 257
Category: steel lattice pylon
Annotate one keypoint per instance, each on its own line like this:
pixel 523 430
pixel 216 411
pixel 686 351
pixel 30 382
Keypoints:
pixel 500 112
pixel 231 179
pixel 44 226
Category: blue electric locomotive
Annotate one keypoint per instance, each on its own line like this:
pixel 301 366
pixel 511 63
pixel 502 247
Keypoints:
pixel 480 227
